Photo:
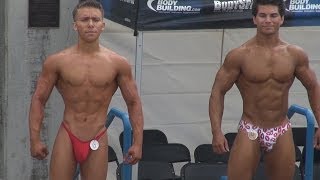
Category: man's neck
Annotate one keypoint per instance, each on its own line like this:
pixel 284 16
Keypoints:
pixel 88 48
pixel 268 41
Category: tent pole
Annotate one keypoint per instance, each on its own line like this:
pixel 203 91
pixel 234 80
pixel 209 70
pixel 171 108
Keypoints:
pixel 138 74
pixel 138 60
pixel 222 48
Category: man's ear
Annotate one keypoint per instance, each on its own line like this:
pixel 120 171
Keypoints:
pixel 254 20
pixel 75 26
pixel 104 25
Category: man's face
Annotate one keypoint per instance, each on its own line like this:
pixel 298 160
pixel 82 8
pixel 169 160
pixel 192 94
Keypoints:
pixel 89 23
pixel 268 19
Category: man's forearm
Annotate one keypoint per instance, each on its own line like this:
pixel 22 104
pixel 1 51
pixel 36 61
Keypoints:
pixel 314 100
pixel 35 120
pixel 215 113
pixel 136 118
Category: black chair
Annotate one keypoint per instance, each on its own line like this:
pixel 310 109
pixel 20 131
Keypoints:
pixel 150 170
pixel 203 171
pixel 316 163
pixel 112 156
pixel 298 153
pixel 160 155
pixel 204 153
pixel 260 173
pixel 150 136
pixel 299 135
pixel 230 138
pixel 172 153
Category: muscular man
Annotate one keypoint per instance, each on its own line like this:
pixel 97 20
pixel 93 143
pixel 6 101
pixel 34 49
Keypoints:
pixel 263 69
pixel 86 75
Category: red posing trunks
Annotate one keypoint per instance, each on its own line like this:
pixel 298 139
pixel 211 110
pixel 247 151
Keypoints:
pixel 80 148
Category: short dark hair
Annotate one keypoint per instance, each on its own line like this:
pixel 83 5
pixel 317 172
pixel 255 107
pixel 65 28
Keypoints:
pixel 279 3
pixel 87 3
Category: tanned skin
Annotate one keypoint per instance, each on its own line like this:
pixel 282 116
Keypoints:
pixel 263 69
pixel 86 75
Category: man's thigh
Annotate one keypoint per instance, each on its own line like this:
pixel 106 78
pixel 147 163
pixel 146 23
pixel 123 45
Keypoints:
pixel 96 165
pixel 62 164
pixel 244 157
pixel 280 161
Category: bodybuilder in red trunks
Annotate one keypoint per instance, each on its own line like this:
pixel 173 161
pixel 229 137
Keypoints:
pixel 87 75
pixel 263 69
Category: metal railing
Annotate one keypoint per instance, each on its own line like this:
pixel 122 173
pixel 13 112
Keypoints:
pixel 126 169
pixel 308 175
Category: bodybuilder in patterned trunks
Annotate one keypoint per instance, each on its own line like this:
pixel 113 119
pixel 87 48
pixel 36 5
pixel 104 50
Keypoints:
pixel 263 69
pixel 86 75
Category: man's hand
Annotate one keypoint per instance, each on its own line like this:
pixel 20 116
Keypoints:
pixel 316 140
pixel 134 154
pixel 38 150
pixel 219 143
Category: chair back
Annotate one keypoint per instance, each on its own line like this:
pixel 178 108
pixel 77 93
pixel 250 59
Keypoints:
pixel 203 171
pixel 204 153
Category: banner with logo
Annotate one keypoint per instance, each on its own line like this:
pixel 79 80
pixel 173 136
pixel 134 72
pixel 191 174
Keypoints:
pixel 147 15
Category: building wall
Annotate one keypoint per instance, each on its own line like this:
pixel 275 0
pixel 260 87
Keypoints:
pixel 2 83
pixel 20 66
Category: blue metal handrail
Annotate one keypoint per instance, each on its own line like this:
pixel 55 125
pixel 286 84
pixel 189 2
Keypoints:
pixel 309 138
pixel 126 171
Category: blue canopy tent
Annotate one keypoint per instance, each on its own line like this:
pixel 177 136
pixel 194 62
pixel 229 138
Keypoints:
pixel 151 15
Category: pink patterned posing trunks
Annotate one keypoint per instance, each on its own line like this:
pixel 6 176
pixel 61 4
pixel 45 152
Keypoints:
pixel 266 137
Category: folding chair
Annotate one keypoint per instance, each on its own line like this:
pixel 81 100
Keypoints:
pixel 161 154
pixel 112 156
pixel 299 139
pixel 150 170
pixel 150 136
pixel 203 171
pixel 260 173
pixel 316 163
pixel 299 135
pixel 298 154
pixel 204 153
pixel 172 153
pixel 230 138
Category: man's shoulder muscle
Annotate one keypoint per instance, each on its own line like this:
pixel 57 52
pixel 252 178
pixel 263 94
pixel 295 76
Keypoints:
pixel 116 59
pixel 298 54
pixel 58 56
pixel 235 56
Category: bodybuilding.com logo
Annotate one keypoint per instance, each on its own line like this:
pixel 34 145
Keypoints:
pixel 237 5
pixel 170 6
pixel 303 5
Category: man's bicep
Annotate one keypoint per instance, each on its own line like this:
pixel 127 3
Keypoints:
pixel 46 81
pixel 127 83
pixel 304 72
pixel 229 71
pixel 225 79
pixel 307 76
